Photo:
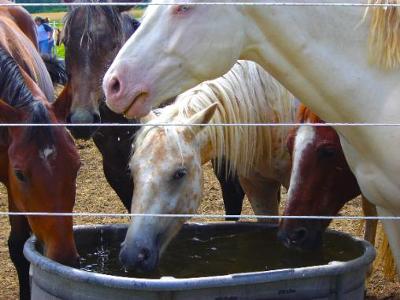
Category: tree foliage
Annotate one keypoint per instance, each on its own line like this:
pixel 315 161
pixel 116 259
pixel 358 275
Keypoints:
pixel 38 9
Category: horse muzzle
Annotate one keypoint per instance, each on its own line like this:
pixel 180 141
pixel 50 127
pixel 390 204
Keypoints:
pixel 300 238
pixel 140 255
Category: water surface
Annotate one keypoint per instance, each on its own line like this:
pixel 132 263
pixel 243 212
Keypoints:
pixel 198 254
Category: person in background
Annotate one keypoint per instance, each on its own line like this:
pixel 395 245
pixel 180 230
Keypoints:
pixel 45 34
pixel 43 38
pixel 49 31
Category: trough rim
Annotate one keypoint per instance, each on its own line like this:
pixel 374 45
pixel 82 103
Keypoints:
pixel 333 268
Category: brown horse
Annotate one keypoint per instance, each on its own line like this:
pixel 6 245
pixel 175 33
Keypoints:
pixel 321 183
pixel 92 36
pixel 38 165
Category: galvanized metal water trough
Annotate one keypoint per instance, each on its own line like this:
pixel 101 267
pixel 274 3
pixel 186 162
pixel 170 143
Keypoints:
pixel 336 280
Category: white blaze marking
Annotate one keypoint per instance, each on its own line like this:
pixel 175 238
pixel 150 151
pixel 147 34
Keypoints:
pixel 47 152
pixel 305 136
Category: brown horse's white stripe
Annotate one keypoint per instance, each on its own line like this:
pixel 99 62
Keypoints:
pixel 304 138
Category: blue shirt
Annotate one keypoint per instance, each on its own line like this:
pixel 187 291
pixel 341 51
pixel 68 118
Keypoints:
pixel 42 33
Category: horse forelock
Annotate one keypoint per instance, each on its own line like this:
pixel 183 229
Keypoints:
pixel 43 136
pixel 147 135
pixel 384 40
pixel 89 16
pixel 305 115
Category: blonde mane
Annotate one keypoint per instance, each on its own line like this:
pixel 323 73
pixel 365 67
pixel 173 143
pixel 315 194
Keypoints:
pixel 384 34
pixel 246 94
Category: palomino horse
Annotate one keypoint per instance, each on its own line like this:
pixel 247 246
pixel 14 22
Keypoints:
pixel 330 68
pixel 92 37
pixel 167 160
pixel 38 165
pixel 320 184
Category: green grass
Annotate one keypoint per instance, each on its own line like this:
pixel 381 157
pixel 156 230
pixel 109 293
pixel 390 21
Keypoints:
pixel 60 51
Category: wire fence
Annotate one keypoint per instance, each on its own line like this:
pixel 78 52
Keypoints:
pixel 196 216
pixel 201 216
pixel 236 3
pixel 210 124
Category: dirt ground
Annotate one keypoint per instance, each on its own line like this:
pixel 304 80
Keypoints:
pixel 94 195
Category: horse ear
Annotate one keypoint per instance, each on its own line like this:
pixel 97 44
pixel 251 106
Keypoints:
pixel 149 117
pixel 202 117
pixel 9 114
pixel 122 8
pixel 62 105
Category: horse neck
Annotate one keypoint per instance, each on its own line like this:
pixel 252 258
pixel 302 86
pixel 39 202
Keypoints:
pixel 24 21
pixel 33 87
pixel 25 54
pixel 292 45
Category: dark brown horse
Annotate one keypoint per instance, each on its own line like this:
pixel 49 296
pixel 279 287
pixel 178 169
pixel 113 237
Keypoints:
pixel 93 36
pixel 38 165
pixel 320 185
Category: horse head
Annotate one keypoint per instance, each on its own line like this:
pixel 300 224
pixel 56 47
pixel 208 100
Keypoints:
pixel 178 37
pixel 168 180
pixel 92 36
pixel 321 183
pixel 42 162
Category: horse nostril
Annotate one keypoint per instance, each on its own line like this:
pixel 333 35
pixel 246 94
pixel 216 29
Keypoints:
pixel 115 85
pixel 143 255
pixel 299 235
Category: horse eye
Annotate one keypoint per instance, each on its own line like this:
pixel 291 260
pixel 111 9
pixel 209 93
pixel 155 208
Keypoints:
pixel 20 175
pixel 326 152
pixel 183 8
pixel 179 174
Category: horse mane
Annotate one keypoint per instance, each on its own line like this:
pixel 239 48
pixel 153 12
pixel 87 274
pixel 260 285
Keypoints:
pixel 14 91
pixel 88 16
pixel 130 24
pixel 384 38
pixel 246 94
pixel 305 115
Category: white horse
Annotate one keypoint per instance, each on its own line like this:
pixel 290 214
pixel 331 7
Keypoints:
pixel 167 160
pixel 339 61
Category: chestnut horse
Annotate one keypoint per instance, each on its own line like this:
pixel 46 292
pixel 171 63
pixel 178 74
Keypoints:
pixel 92 36
pixel 38 165
pixel 320 184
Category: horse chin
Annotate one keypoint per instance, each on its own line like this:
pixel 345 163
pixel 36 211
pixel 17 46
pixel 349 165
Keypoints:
pixel 312 243
pixel 138 258
pixel 140 107
pixel 83 132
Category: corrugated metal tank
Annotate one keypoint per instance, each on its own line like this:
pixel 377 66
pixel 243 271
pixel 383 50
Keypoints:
pixel 336 280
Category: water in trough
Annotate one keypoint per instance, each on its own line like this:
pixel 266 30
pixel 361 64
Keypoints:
pixel 202 253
